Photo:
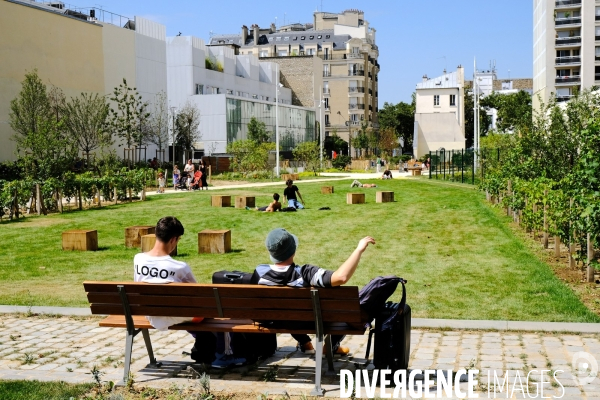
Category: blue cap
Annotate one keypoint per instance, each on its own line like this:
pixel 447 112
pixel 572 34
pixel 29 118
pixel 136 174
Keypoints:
pixel 281 244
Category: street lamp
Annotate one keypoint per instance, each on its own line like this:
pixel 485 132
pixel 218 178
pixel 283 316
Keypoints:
pixel 349 123
pixel 321 102
pixel 277 119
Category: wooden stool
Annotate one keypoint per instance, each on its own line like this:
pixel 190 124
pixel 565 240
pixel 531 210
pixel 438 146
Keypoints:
pixel 355 198
pixel 220 201
pixel 294 177
pixel 133 235
pixel 214 241
pixel 385 197
pixel 79 239
pixel 416 172
pixel 326 189
pixel 148 242
pixel 244 201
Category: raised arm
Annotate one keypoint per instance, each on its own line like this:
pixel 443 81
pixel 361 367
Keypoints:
pixel 346 270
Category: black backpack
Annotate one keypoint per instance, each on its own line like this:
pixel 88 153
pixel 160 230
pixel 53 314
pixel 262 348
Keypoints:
pixel 373 295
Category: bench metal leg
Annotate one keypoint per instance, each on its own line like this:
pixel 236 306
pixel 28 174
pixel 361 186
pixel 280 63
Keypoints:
pixel 318 391
pixel 329 355
pixel 128 350
pixel 153 361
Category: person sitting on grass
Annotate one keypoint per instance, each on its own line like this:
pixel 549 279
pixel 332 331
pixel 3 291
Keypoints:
pixel 289 195
pixel 282 246
pixel 275 205
pixel 387 174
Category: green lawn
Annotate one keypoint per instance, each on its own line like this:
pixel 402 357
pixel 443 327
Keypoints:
pixel 458 254
pixel 35 390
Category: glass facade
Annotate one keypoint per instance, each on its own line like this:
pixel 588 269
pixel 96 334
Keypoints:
pixel 295 125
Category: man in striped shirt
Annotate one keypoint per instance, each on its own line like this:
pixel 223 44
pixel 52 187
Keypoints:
pixel 284 272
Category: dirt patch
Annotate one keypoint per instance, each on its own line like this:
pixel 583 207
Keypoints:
pixel 219 182
pixel 34 222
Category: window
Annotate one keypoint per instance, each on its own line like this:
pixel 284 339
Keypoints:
pixel 282 53
pixel 278 39
pixel 263 53
pixel 319 37
pixel 436 100
pixel 303 37
pixel 229 91
pixel 326 99
pixel 354 117
pixel 452 99
pixel 310 52
pixel 311 37
pixel 286 39
pixel 355 50
pixel 295 38
pixel 327 36
pixel 255 96
pixel 326 119
pixel 199 89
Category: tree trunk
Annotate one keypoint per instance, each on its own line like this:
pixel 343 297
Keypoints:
pixel 590 258
pixel 38 199
pixel 557 246
pixel 116 194
pixel 79 197
pixel 545 237
pixel 59 200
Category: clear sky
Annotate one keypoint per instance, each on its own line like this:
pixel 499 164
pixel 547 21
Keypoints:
pixel 414 37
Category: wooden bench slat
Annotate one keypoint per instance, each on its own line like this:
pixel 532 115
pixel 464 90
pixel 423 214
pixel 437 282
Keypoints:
pixel 244 302
pixel 206 290
pixel 231 325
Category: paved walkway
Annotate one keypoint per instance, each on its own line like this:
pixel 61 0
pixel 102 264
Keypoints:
pixel 67 348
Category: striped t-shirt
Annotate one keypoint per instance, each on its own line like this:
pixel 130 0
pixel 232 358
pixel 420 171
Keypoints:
pixel 292 275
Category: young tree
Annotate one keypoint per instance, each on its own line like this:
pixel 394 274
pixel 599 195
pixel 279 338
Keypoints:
pixel 388 141
pixel 361 140
pixel 514 109
pixel 187 122
pixel 42 144
pixel 86 122
pixel 129 118
pixel 159 122
pixel 257 131
pixel 309 154
pixel 248 155
pixel 401 118
pixel 484 119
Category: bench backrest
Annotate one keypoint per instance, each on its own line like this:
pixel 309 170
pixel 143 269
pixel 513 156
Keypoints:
pixel 339 304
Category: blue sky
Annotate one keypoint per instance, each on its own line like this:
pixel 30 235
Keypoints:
pixel 414 37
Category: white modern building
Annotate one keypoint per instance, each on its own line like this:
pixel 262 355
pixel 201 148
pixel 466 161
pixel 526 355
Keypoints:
pixel 566 48
pixel 439 114
pixel 232 90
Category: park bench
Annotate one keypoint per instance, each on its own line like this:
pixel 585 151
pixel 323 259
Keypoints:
pixel 229 308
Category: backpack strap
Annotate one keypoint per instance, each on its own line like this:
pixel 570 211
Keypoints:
pixel 371 332
pixel 403 299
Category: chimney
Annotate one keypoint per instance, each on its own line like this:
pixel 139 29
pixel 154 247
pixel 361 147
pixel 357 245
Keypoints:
pixel 244 34
pixel 255 33
pixel 425 78
pixel 273 28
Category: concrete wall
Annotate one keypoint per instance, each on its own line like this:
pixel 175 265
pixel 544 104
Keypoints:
pixel 434 131
pixel 298 73
pixel 66 52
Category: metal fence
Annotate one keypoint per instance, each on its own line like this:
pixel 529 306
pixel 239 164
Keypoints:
pixel 465 165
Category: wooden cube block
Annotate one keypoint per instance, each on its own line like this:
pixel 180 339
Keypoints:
pixel 326 189
pixel 220 201
pixel 133 235
pixel 214 241
pixel 294 177
pixel 245 201
pixel 416 172
pixel 78 239
pixel 385 197
pixel 355 198
pixel 148 242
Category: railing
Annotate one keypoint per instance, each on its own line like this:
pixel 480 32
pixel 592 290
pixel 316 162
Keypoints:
pixel 326 56
pixel 568 60
pixel 325 90
pixel 356 106
pixel 563 97
pixel 597 17
pixel 597 77
pixel 355 55
pixel 567 3
pixel 356 73
pixel 568 40
pixel 356 90
pixel 568 79
pixel 597 37
pixel 568 21
pixel 327 123
pixel 326 73
pixel 100 15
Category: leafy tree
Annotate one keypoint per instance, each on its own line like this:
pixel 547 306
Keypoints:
pixel 159 122
pixel 257 131
pixel 249 156
pixel 129 118
pixel 187 123
pixel 387 140
pixel 339 145
pixel 514 109
pixel 86 122
pixel 484 119
pixel 309 153
pixel 42 144
pixel 362 140
pixel 400 118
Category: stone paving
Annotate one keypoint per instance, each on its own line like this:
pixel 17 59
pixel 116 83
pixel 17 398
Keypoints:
pixel 67 348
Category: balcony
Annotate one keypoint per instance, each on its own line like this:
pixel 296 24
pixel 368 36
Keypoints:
pixel 568 79
pixel 327 123
pixel 371 92
pixel 568 41
pixel 567 3
pixel 597 17
pixel 597 77
pixel 354 56
pixel 326 73
pixel 356 90
pixel 597 37
pixel 326 90
pixel 356 106
pixel 568 21
pixel 356 73
pixel 568 60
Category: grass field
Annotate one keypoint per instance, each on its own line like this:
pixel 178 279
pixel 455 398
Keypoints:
pixel 35 390
pixel 459 255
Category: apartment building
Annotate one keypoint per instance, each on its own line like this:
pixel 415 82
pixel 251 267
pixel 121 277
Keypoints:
pixel 330 64
pixel 440 113
pixel 78 50
pixel 241 87
pixel 566 48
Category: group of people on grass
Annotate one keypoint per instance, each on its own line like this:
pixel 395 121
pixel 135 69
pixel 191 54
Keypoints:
pixel 281 246
pixel 195 177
